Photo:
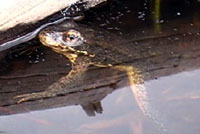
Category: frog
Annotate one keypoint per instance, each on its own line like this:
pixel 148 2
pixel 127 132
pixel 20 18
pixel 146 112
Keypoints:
pixel 84 46
pixel 87 46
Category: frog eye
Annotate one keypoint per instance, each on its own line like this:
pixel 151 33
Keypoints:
pixel 73 38
pixel 71 35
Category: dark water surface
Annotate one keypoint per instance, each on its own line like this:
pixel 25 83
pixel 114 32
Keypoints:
pixel 172 80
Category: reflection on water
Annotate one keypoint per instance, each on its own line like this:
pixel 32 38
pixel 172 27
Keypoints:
pixel 176 96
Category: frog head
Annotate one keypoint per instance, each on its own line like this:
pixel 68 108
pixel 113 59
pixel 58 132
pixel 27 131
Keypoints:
pixel 68 38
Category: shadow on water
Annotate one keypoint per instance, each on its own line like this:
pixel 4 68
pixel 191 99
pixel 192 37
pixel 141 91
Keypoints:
pixel 164 37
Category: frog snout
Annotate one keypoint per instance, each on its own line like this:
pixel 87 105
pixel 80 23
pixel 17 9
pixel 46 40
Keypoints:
pixel 48 39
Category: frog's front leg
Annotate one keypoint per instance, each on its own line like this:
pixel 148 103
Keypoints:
pixel 62 85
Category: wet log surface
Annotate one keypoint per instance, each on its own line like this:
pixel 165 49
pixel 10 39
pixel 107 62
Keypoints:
pixel 27 74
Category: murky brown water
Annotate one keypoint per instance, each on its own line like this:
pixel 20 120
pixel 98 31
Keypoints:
pixel 171 81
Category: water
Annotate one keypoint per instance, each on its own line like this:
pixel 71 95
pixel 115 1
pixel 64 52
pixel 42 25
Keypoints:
pixel 176 97
pixel 167 30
